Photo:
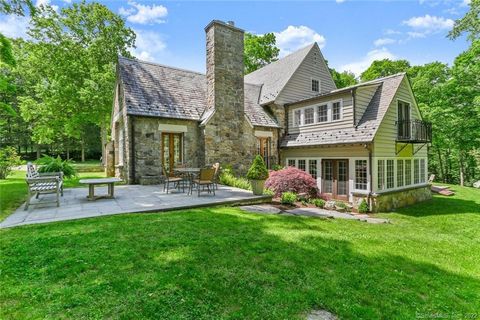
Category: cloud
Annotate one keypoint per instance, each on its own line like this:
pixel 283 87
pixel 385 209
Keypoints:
pixel 39 3
pixel 361 65
pixel 296 37
pixel 14 26
pixel 149 45
pixel 144 14
pixel 339 1
pixel 384 41
pixel 390 32
pixel 429 23
pixel 465 3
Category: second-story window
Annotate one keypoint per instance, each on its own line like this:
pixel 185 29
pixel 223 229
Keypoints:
pixel 323 113
pixel 298 117
pixel 315 85
pixel 309 116
pixel 336 111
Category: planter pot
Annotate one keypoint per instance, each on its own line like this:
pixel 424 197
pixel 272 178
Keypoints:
pixel 257 187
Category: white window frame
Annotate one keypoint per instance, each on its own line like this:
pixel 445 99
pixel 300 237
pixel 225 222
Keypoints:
pixel 316 113
pixel 421 174
pixel 355 176
pixel 340 101
pixel 305 115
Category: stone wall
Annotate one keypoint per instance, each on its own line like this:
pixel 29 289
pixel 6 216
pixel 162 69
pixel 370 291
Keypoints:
pixel 224 132
pixel 397 199
pixel 148 145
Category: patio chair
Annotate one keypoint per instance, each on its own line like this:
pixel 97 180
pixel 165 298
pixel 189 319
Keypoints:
pixel 216 167
pixel 168 180
pixel 43 183
pixel 205 179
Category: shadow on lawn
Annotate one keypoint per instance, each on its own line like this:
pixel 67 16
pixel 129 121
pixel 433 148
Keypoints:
pixel 202 264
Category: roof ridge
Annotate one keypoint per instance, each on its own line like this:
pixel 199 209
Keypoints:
pixel 160 65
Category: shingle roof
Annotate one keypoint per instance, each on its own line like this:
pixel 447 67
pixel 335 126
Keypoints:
pixel 161 91
pixel 367 126
pixel 275 75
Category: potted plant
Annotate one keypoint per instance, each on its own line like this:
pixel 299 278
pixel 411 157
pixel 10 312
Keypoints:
pixel 257 174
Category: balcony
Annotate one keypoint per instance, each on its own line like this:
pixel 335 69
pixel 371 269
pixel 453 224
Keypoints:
pixel 414 131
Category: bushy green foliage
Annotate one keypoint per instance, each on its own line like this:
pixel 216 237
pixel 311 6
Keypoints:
pixel 51 164
pixel 277 167
pixel 228 178
pixel 288 198
pixel 319 203
pixel 340 204
pixel 268 192
pixel 259 50
pixel 363 207
pixel 258 170
pixel 8 159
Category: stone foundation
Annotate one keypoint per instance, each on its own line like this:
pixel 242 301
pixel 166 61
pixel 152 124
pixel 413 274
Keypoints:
pixel 397 199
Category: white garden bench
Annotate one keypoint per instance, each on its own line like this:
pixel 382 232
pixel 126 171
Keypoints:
pixel 42 183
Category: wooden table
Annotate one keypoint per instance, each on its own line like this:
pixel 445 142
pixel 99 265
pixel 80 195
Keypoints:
pixel 110 182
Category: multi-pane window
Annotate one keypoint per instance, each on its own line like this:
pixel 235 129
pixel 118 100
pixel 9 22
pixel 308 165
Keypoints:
pixel 327 177
pixel 312 168
pixel 416 171
pixel 291 162
pixel 323 113
pixel 422 170
pixel 309 116
pixel 336 111
pixel 361 174
pixel 381 174
pixel 301 164
pixel 390 174
pixel 399 173
pixel 408 172
pixel 297 116
pixel 315 85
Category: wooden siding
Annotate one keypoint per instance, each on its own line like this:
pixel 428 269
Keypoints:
pixel 341 151
pixel 363 96
pixel 345 122
pixel 299 86
pixel 384 141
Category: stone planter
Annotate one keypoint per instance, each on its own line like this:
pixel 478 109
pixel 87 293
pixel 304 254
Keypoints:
pixel 257 187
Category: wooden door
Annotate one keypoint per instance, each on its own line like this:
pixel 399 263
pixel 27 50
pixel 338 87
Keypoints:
pixel 335 178
pixel 172 150
pixel 263 149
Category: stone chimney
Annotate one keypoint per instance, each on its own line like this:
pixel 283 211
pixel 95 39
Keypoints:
pixel 225 94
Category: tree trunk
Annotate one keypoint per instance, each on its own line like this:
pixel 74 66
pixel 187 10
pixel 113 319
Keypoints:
pixel 103 135
pixel 68 152
pixel 83 150
pixel 38 151
pixel 440 162
pixel 462 168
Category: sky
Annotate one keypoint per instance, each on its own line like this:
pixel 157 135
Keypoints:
pixel 351 34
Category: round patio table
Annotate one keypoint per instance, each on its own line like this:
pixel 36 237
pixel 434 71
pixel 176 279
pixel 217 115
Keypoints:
pixel 189 173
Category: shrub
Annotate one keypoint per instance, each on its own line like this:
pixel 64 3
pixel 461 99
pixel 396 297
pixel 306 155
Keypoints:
pixel 292 179
pixel 363 207
pixel 8 159
pixel 277 167
pixel 229 179
pixel 288 198
pixel 319 203
pixel 341 204
pixel 268 192
pixel 258 170
pixel 51 164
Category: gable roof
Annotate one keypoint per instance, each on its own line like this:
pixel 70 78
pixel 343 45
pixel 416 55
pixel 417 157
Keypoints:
pixel 275 75
pixel 367 126
pixel 161 91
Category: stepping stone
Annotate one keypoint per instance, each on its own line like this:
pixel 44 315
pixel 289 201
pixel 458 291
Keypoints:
pixel 261 208
pixel 321 315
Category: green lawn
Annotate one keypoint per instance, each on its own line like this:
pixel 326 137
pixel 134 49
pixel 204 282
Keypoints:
pixel 13 190
pixel 222 263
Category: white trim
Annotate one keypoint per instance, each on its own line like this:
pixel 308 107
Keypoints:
pixel 316 107
pixel 395 165
pixel 263 134
pixel 171 128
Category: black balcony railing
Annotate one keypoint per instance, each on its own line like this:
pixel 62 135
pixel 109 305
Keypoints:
pixel 414 131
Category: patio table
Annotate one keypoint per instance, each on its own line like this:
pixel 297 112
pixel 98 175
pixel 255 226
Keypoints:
pixel 110 182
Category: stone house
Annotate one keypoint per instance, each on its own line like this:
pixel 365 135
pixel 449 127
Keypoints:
pixel 365 141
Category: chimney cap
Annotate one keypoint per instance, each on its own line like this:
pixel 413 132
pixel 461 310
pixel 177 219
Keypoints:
pixel 229 24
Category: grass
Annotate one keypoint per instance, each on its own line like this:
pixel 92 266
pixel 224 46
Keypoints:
pixel 223 263
pixel 13 190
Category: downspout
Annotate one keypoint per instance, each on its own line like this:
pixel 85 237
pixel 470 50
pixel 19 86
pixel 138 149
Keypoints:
pixel 354 112
pixel 285 125
pixel 370 170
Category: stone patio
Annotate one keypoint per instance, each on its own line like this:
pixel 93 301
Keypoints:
pixel 128 199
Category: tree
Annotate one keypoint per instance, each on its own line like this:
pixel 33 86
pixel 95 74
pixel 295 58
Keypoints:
pixel 383 68
pixel 70 68
pixel 16 7
pixel 469 24
pixel 259 51
pixel 343 79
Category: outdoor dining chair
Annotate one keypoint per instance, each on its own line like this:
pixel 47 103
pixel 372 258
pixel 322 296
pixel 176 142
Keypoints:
pixel 205 180
pixel 176 181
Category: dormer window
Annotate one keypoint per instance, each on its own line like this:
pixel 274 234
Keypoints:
pixel 336 111
pixel 315 85
pixel 298 117
pixel 309 116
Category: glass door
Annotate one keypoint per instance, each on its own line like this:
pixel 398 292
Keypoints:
pixel 171 150
pixel 335 178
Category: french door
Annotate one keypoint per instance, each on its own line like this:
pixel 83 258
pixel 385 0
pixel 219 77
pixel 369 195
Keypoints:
pixel 335 178
pixel 172 150
pixel 263 149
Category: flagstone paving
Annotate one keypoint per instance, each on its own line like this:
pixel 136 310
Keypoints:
pixel 128 199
